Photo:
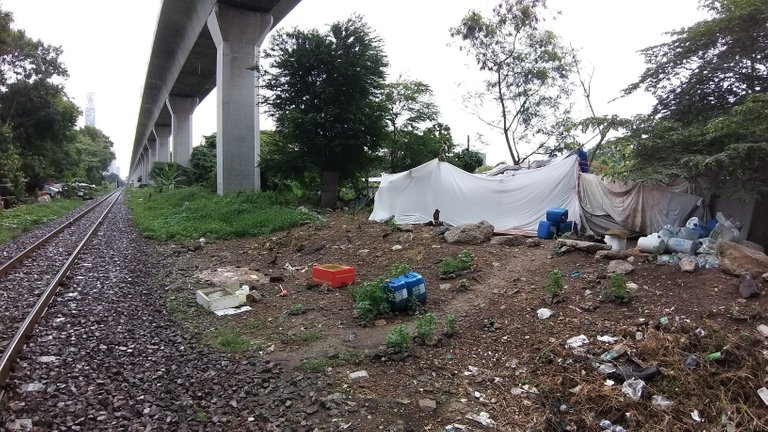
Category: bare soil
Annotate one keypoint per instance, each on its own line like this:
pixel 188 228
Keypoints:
pixel 504 361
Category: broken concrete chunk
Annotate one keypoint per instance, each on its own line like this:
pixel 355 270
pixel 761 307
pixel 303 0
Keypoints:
pixel 612 254
pixel 583 246
pixel 620 266
pixel 510 240
pixel 736 259
pixel 470 233
pixel 427 405
pixel 688 265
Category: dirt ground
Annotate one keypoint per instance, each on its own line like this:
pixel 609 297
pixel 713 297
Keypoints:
pixel 504 361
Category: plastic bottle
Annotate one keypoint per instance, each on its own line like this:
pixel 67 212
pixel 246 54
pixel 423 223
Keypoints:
pixel 615 352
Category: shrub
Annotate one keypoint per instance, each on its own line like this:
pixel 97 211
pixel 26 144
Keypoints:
pixel 370 299
pixel 425 326
pixel 451 325
pixel 296 309
pixel 453 266
pixel 397 270
pixel 616 289
pixel 398 338
pixel 554 286
pixel 463 285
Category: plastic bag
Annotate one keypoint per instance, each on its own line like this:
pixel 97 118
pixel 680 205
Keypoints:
pixel 692 223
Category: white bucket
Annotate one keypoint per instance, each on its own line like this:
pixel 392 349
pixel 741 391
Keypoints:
pixel 652 243
pixel 617 243
pixel 682 245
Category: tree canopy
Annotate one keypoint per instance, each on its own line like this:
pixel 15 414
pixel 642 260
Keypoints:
pixel 323 90
pixel 528 75
pixel 710 82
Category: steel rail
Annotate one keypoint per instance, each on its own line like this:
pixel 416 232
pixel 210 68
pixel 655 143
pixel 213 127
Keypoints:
pixel 19 340
pixel 10 265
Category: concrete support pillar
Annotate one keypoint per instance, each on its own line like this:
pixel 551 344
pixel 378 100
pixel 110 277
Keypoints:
pixel 181 109
pixel 152 149
pixel 238 34
pixel 163 134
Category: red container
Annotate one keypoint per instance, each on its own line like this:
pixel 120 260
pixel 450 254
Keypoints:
pixel 334 275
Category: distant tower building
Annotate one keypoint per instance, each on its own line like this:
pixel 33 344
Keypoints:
pixel 90 111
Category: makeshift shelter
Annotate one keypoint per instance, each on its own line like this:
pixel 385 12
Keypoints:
pixel 516 201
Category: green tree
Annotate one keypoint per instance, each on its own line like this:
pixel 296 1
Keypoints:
pixel 93 151
pixel 467 159
pixel 324 92
pixel 203 162
pixel 711 104
pixel 414 134
pixel 528 71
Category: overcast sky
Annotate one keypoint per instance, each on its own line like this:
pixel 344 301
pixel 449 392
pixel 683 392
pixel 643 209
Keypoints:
pixel 107 43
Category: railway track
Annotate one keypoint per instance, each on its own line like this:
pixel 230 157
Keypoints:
pixel 30 280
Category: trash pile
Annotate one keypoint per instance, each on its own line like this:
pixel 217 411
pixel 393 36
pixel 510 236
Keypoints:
pixel 694 244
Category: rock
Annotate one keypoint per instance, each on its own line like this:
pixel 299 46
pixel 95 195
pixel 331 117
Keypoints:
pixel 620 266
pixel 427 405
pixel 445 286
pixel 583 246
pixel 752 245
pixel 748 287
pixel 20 424
pixel 763 330
pixel 380 322
pixel 253 296
pixel 32 387
pixel 736 259
pixel 688 265
pixel 612 254
pixel 511 240
pixel 275 279
pixel 544 313
pixel 406 237
pixel 405 228
pixel 470 233
pixel 441 230
pixel 533 242
pixel 358 375
pixel 313 248
pixel 396 247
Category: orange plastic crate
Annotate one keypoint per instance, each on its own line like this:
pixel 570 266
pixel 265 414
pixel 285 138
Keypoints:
pixel 334 275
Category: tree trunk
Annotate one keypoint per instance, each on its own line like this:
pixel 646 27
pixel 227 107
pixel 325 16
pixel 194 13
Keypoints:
pixel 329 189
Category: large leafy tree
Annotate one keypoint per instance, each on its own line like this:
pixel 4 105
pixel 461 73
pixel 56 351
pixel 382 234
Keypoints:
pixel 37 116
pixel 93 150
pixel 414 134
pixel 711 87
pixel 203 162
pixel 324 92
pixel 528 75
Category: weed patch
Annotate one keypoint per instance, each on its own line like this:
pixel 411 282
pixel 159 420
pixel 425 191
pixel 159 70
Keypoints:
pixel 451 325
pixel 232 341
pixel 425 327
pixel 24 218
pixel 455 266
pixel 305 337
pixel 398 338
pixel 554 287
pixel 615 289
pixel 370 299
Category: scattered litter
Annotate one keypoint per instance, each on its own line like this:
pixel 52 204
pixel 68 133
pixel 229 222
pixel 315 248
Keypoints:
pixel 214 299
pixel 47 359
pixel 576 274
pixel 624 373
pixel 615 352
pixel 396 247
pixel 483 418
pixel 454 427
pixel 472 371
pixel 668 259
pixel 608 339
pixel 606 425
pixel 695 416
pixel 763 393
pixel 632 286
pixel 32 387
pixel 544 313
pixel 480 397
pixel 700 332
pixel 283 292
pixel 232 311
pixel 609 383
pixel 633 388
pixel 715 356
pixel 664 321
pixel 691 362
pixel 605 369
pixel 576 341
pixel 639 335
pixel 526 388
pixel 661 401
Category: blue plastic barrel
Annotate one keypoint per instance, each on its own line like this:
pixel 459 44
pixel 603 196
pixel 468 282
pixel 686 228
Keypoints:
pixel 399 293
pixel 416 287
pixel 566 227
pixel 557 215
pixel 547 229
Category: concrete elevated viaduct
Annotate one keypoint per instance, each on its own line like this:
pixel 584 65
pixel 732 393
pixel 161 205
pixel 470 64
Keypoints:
pixel 199 45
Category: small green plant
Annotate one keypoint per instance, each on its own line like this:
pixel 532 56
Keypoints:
pixel 602 272
pixel 451 325
pixel 166 176
pixel 454 266
pixel 230 340
pixel 398 338
pixel 296 309
pixel 425 327
pixel 392 224
pixel 654 258
pixel 554 286
pixel 305 337
pixel 616 289
pixel 463 285
pixel 414 307
pixel 398 269
pixel 316 364
pixel 200 415
pixel 370 299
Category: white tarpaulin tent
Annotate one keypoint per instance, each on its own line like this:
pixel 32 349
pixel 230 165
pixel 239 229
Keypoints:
pixel 513 202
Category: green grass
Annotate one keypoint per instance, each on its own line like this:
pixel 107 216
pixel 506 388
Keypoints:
pixel 453 266
pixel 191 213
pixel 320 364
pixel 231 340
pixel 305 337
pixel 24 218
